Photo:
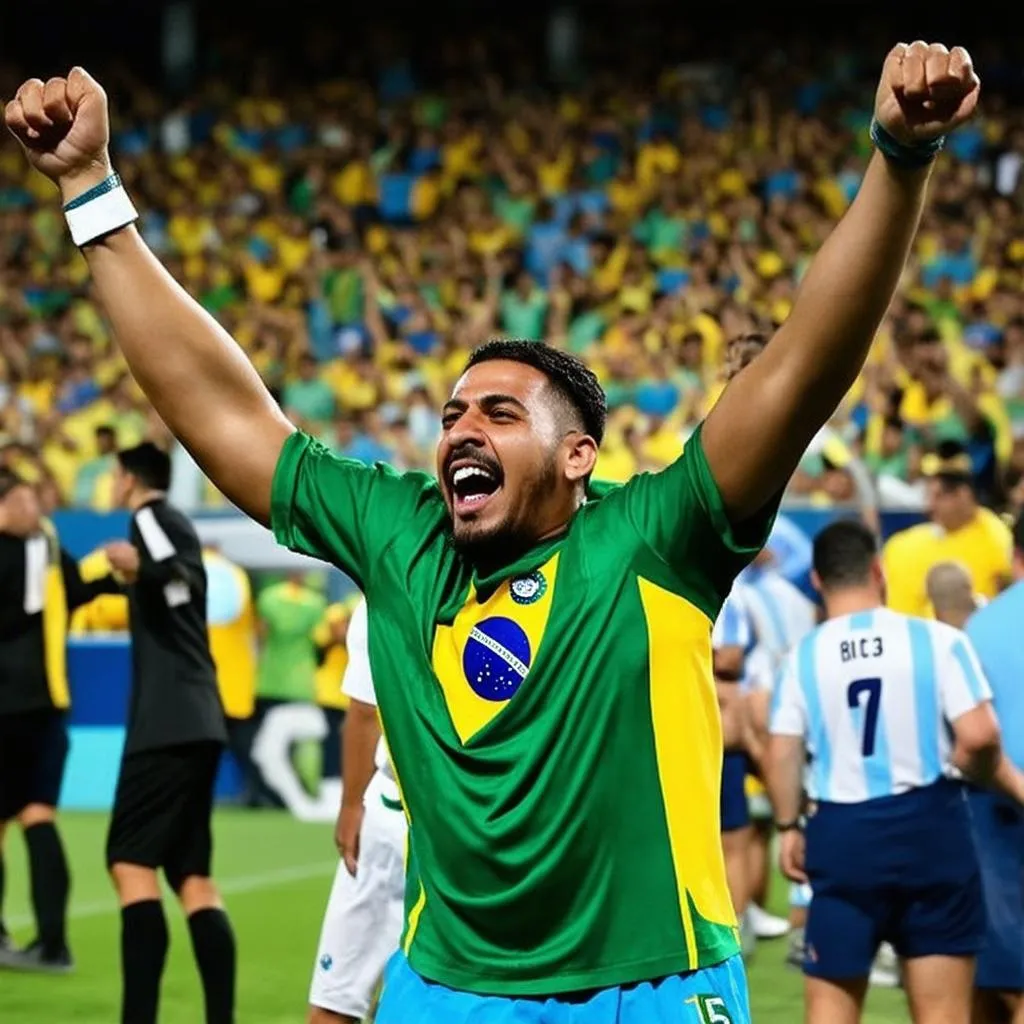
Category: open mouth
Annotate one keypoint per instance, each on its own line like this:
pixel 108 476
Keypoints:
pixel 472 485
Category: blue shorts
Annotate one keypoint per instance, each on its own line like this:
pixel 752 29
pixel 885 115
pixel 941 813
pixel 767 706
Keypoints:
pixel 999 837
pixel 735 810
pixel 901 869
pixel 717 994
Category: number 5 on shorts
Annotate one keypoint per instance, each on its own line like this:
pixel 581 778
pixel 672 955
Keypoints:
pixel 710 1009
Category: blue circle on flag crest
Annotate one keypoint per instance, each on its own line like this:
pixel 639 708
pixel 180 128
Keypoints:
pixel 528 589
pixel 496 658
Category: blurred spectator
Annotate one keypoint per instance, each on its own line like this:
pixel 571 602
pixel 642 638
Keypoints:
pixel 94 479
pixel 232 627
pixel 960 530
pixel 288 612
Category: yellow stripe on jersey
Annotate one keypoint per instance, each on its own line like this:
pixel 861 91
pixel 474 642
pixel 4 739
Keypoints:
pixel 688 745
pixel 414 919
pixel 527 609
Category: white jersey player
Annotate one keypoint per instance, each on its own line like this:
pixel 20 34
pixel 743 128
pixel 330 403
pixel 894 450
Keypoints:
pixel 363 921
pixel 889 709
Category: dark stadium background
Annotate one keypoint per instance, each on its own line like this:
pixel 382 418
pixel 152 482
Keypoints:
pixel 50 36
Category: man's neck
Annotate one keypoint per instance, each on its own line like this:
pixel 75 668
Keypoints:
pixel 136 501
pixel 851 600
pixel 960 519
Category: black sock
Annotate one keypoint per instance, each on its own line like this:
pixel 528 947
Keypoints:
pixel 50 885
pixel 213 943
pixel 144 944
pixel 3 930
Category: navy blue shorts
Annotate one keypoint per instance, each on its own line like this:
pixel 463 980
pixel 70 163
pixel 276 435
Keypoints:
pixel 901 869
pixel 999 837
pixel 735 812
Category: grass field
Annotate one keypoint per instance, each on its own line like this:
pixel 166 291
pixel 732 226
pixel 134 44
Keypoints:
pixel 276 874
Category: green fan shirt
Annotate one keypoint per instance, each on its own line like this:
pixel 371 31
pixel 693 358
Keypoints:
pixel 554 727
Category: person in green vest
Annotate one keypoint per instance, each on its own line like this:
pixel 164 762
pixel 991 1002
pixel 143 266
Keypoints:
pixel 288 613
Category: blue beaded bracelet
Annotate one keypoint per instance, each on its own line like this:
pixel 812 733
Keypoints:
pixel 920 154
pixel 106 185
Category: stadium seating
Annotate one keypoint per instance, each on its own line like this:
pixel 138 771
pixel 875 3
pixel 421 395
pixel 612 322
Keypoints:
pixel 360 240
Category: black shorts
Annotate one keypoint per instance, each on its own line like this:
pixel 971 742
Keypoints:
pixel 33 751
pixel 162 810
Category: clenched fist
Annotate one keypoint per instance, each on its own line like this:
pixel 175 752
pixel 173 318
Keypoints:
pixel 63 127
pixel 925 91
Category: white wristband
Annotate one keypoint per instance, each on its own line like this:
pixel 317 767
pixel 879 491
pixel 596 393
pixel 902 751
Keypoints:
pixel 101 213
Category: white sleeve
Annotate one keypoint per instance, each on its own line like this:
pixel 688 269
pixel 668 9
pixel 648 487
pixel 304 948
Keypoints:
pixel 732 627
pixel 788 714
pixel 760 669
pixel 357 682
pixel 154 536
pixel 962 682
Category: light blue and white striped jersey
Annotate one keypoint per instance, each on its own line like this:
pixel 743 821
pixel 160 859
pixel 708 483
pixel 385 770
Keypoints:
pixel 872 694
pixel 780 613
pixel 733 627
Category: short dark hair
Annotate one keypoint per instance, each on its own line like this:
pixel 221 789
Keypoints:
pixel 149 464
pixel 569 376
pixel 9 481
pixel 843 553
pixel 1018 533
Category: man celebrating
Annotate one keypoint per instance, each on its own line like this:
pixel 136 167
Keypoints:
pixel 527 642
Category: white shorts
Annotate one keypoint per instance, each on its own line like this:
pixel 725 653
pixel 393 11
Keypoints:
pixel 363 922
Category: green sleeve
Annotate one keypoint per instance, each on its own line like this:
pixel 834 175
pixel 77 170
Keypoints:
pixel 680 515
pixel 341 510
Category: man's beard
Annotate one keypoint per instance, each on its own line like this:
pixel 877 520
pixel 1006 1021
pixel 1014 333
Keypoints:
pixel 511 537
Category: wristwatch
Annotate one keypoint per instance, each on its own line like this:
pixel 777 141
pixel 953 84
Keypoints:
pixel 789 826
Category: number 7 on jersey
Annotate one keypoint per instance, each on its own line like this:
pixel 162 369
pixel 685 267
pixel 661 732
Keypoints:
pixel 873 689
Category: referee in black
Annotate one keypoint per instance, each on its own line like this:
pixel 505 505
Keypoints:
pixel 39 586
pixel 176 732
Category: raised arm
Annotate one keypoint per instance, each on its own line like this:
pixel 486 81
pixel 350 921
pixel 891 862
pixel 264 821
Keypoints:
pixel 759 429
pixel 195 375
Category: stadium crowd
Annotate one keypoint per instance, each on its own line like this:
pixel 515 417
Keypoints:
pixel 360 236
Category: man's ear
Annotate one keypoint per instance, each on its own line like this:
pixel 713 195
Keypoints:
pixel 581 456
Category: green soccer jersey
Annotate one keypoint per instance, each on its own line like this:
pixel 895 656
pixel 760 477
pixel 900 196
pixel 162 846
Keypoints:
pixel 554 727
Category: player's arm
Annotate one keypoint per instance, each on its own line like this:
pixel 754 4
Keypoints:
pixel 163 551
pixel 757 706
pixel 783 769
pixel 78 589
pixel 784 774
pixel 197 378
pixel 360 735
pixel 787 749
pixel 194 374
pixel 730 638
pixel 760 427
pixel 978 752
pixel 730 708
